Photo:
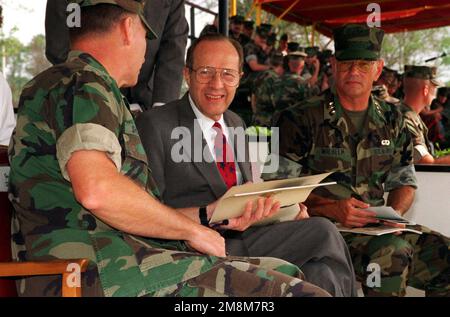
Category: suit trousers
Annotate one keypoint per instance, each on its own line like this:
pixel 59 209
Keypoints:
pixel 313 244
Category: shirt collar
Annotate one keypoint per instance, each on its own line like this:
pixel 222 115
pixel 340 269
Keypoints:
pixel 205 122
pixel 334 111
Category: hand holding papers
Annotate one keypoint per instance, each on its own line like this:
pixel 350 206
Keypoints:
pixel 288 192
pixel 385 214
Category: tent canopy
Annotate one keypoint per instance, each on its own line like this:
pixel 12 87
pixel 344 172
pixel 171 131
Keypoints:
pixel 396 15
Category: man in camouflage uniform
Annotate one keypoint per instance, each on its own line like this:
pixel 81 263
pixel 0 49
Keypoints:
pixel 366 143
pixel 420 86
pixel 292 87
pixel 81 186
pixel 311 71
pixel 265 92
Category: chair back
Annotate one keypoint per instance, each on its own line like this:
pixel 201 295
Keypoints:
pixel 7 285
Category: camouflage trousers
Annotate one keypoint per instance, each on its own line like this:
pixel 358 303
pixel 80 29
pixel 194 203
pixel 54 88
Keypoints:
pixel 243 277
pixel 231 277
pixel 409 259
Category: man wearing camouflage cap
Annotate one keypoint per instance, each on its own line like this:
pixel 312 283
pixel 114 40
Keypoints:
pixel 264 92
pixel 420 86
pixel 365 142
pixel 292 87
pixel 81 187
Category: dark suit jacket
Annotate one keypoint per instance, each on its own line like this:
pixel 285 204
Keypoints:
pixel 184 184
pixel 161 74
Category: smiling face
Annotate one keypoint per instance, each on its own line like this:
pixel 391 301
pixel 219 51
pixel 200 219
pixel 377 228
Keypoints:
pixel 213 98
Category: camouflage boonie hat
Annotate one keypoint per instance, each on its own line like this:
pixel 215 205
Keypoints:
pixel 422 72
pixel 133 6
pixel 357 41
pixel 312 51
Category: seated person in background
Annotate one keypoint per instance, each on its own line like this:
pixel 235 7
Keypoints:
pixel 265 92
pixel 213 68
pixel 420 85
pixel 7 119
pixel 292 86
pixel 81 187
pixel 366 144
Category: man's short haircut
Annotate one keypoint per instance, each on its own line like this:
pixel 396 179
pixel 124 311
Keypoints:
pixel 98 19
pixel 214 38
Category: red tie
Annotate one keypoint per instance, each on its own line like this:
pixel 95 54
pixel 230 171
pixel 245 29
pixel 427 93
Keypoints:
pixel 224 157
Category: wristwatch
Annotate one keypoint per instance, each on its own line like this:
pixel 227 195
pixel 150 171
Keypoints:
pixel 202 214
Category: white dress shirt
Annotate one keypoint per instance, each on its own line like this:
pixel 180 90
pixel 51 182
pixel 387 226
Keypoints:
pixel 7 119
pixel 206 125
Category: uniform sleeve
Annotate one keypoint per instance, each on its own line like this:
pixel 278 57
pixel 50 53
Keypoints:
pixel 88 120
pixel 402 172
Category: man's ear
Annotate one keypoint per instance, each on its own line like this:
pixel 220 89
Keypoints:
pixel 187 76
pixel 379 70
pixel 126 30
pixel 426 90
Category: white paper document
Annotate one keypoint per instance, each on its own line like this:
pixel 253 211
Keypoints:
pixel 287 191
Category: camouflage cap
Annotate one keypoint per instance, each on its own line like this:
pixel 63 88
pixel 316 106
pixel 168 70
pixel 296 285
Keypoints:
pixel 357 41
pixel 292 46
pixel 271 39
pixel 327 53
pixel 312 51
pixel 422 72
pixel 237 19
pixel 266 26
pixel 262 32
pixel 133 6
pixel 249 24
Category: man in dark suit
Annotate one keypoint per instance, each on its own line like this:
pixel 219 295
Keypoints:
pixel 161 74
pixel 217 159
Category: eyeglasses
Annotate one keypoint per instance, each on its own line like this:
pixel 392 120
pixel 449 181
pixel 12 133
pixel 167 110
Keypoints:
pixel 362 66
pixel 205 74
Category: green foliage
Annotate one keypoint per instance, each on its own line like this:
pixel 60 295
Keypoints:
pixel 405 48
pixel 22 62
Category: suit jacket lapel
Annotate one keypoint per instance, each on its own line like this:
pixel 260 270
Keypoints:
pixel 208 168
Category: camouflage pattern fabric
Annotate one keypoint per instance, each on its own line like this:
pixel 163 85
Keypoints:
pixel 318 135
pixel 264 89
pixel 292 89
pixel 418 130
pixel 357 41
pixel 132 6
pixel 49 223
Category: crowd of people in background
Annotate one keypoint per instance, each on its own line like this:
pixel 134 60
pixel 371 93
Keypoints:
pixel 279 73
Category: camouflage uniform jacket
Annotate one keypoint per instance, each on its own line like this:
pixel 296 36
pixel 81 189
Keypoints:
pixel 419 132
pixel 292 89
pixel 72 106
pixel 264 89
pixel 320 136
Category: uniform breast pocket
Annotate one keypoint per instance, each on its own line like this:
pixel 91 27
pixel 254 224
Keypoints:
pixel 332 159
pixel 381 158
